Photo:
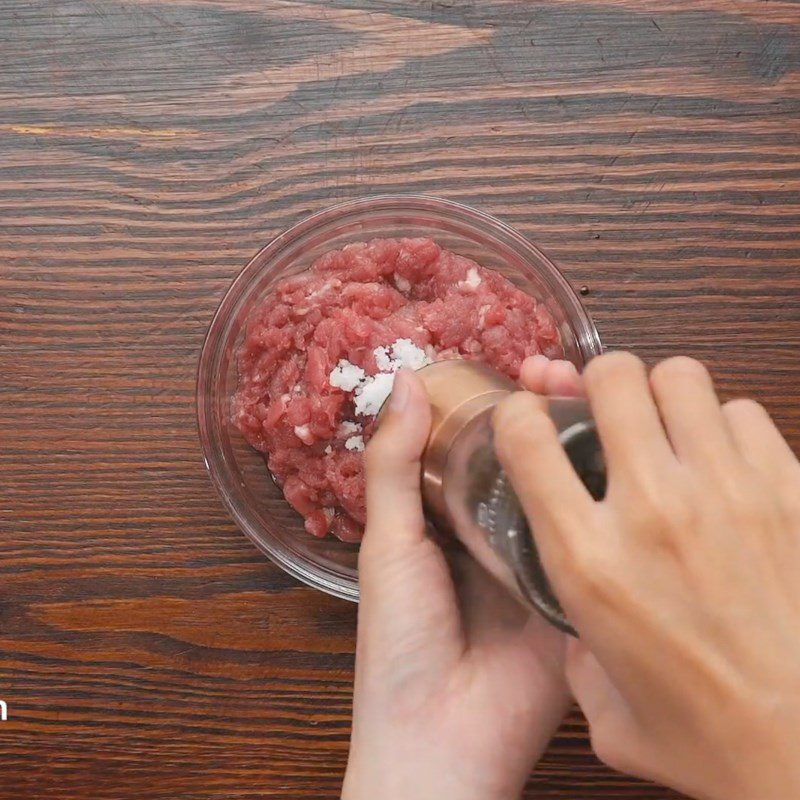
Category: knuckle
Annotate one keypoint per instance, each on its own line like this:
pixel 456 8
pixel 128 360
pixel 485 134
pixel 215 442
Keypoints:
pixel 589 574
pixel 506 412
pixel 734 483
pixel 650 502
pixel 678 368
pixel 613 366
pixel 745 408
pixel 518 421
pixel 750 506
pixel 657 511
pixel 512 406
pixel 682 513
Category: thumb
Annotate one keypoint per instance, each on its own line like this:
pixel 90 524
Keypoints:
pixel 393 467
pixel 409 611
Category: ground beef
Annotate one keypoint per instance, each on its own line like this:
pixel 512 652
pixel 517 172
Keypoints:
pixel 349 303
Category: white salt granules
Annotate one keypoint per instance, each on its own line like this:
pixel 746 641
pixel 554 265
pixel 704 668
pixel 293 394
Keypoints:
pixel 346 376
pixel 355 443
pixel 403 353
pixel 401 283
pixel 473 279
pixel 371 391
pixel 407 354
pixel 303 433
pixel 383 359
pixel 372 394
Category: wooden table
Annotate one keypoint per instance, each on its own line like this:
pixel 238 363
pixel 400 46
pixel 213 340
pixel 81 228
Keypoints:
pixel 147 149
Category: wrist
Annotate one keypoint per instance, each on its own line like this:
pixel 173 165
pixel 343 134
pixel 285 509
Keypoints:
pixel 417 772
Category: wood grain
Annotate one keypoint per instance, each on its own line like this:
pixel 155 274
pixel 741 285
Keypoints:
pixel 147 149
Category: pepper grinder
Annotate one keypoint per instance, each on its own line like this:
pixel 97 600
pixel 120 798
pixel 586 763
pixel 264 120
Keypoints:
pixel 466 491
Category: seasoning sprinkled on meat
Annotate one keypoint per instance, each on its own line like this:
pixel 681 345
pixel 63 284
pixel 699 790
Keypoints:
pixel 321 351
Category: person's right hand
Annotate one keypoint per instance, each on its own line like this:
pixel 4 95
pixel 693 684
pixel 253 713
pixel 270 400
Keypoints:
pixel 684 582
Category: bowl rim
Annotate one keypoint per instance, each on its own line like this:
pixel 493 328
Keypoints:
pixel 588 337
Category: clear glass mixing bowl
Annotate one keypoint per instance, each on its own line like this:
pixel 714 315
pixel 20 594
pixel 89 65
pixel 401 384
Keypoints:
pixel 239 472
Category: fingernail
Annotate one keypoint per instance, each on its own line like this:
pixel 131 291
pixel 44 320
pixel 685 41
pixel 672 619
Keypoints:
pixel 400 392
pixel 539 358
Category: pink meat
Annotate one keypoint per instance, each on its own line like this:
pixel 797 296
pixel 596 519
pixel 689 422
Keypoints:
pixel 350 302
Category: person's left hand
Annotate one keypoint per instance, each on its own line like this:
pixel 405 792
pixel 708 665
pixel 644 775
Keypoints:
pixel 458 688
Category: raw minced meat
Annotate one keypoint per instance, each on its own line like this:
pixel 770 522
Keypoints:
pixel 320 337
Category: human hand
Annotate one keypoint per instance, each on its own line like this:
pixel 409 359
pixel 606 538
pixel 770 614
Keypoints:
pixel 682 582
pixel 458 688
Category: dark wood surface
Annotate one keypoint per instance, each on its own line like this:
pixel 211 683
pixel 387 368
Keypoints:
pixel 147 149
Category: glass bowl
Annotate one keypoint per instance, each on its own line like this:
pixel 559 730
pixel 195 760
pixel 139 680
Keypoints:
pixel 238 472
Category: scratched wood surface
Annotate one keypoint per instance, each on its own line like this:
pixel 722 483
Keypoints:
pixel 148 148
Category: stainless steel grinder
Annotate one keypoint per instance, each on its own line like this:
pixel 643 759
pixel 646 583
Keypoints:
pixel 466 490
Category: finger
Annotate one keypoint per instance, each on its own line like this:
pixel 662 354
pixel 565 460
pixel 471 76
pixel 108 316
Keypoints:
pixel 634 440
pixel 759 440
pixel 408 615
pixel 552 495
pixel 562 380
pixel 556 378
pixel 688 404
pixel 532 373
pixel 393 466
